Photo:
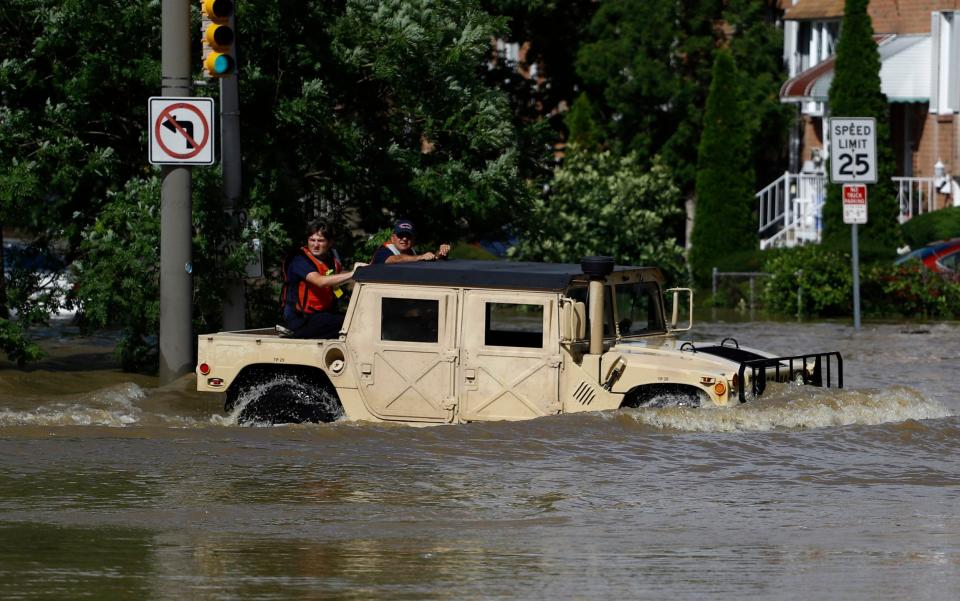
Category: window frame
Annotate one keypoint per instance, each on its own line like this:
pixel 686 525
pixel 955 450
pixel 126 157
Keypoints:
pixel 384 298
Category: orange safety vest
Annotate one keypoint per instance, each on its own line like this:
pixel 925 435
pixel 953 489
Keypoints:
pixel 313 299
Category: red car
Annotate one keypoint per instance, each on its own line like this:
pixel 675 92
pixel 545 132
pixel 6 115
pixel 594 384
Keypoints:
pixel 941 257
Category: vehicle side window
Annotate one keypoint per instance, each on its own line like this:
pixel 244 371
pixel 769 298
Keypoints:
pixel 409 320
pixel 952 261
pixel 516 325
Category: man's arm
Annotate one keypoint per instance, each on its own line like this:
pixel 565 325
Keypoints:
pixel 335 279
pixel 401 258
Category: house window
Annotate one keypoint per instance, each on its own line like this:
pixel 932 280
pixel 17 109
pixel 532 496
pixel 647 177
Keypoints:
pixel 409 320
pixel 945 95
pixel 516 325
pixel 815 43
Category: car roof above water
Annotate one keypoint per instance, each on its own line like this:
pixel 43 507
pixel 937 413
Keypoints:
pixel 510 275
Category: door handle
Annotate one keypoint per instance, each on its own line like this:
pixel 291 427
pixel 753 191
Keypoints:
pixel 470 374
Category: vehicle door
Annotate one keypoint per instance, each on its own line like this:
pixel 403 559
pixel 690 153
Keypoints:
pixel 509 355
pixel 403 343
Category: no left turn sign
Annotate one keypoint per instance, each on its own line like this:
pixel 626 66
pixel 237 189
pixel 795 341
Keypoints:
pixel 181 130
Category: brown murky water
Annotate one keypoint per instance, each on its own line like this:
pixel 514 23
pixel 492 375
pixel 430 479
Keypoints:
pixel 113 488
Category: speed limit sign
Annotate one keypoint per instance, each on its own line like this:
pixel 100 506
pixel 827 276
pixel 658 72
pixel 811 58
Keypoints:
pixel 853 150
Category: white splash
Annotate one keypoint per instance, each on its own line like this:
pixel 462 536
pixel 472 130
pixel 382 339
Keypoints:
pixel 113 407
pixel 791 407
pixel 305 391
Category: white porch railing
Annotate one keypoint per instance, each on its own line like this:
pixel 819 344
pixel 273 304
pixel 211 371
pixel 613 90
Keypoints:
pixel 790 210
pixel 915 196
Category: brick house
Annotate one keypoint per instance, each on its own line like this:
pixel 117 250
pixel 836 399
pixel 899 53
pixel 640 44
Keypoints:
pixel 919 46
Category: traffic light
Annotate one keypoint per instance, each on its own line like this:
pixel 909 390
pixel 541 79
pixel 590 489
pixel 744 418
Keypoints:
pixel 219 56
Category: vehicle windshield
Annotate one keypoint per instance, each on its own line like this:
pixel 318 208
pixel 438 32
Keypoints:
pixel 638 309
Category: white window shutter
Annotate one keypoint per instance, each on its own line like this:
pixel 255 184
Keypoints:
pixel 935 63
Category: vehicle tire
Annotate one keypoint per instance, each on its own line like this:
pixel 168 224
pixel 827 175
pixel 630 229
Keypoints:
pixel 659 396
pixel 289 396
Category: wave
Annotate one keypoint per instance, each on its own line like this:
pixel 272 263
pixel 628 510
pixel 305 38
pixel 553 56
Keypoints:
pixel 113 406
pixel 795 408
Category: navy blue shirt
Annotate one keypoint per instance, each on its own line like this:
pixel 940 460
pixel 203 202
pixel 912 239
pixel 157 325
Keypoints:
pixel 383 253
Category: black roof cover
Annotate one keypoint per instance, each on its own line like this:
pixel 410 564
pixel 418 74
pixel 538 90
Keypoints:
pixel 478 274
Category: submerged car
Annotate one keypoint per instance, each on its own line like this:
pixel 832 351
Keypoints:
pixel 465 341
pixel 940 257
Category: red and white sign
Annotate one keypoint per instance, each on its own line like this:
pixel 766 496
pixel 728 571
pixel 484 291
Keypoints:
pixel 854 203
pixel 181 130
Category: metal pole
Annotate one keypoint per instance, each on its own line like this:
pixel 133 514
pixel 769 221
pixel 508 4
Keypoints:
pixel 235 302
pixel 799 293
pixel 176 253
pixel 856 277
pixel 714 286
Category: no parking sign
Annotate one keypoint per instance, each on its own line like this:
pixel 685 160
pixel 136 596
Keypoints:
pixel 181 130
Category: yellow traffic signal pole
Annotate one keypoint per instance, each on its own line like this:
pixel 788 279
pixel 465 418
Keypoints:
pixel 176 251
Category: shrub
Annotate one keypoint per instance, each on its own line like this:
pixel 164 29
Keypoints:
pixel 911 290
pixel 930 227
pixel 821 276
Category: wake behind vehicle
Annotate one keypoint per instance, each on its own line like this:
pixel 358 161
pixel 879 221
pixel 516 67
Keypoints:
pixel 466 341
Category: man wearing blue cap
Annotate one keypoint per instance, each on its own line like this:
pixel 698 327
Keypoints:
pixel 400 247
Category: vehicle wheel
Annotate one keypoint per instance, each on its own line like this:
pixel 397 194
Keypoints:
pixel 659 396
pixel 283 398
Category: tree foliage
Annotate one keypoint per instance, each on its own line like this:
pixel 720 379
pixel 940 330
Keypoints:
pixel 355 111
pixel 724 188
pixel 757 48
pixel 643 66
pixel 855 92
pixel 602 204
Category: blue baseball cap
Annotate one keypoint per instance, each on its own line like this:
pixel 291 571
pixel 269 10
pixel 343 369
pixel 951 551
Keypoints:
pixel 404 227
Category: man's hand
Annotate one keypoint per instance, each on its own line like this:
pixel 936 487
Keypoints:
pixel 357 266
pixel 427 256
pixel 443 251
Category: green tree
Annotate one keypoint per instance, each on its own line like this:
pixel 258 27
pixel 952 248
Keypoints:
pixel 377 108
pixel 355 110
pixel 724 222
pixel 582 124
pixel 72 114
pixel 757 48
pixel 643 64
pixel 855 92
pixel 601 204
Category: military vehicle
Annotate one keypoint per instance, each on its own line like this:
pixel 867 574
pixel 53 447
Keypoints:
pixel 466 341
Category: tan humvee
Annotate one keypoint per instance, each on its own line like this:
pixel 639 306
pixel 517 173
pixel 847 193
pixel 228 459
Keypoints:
pixel 464 341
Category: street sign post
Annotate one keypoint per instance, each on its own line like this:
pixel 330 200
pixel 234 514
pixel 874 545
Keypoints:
pixel 181 130
pixel 853 160
pixel 854 203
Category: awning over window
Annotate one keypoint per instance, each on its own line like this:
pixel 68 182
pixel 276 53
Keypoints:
pixel 904 72
pixel 813 9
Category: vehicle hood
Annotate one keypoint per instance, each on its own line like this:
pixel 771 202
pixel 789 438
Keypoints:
pixel 707 353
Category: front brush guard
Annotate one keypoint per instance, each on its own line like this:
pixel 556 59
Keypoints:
pixel 821 364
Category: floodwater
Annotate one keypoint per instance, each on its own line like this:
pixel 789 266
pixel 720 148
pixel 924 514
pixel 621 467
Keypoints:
pixel 114 488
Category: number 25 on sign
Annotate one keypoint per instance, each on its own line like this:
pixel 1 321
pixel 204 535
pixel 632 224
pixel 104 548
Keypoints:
pixel 853 150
